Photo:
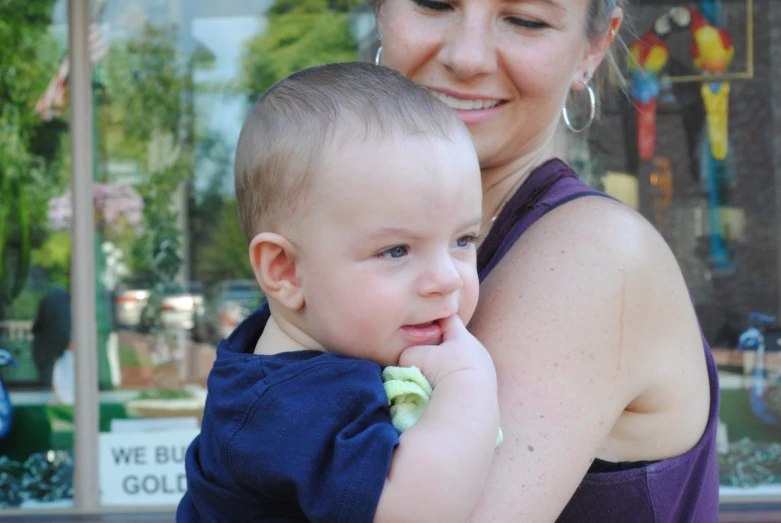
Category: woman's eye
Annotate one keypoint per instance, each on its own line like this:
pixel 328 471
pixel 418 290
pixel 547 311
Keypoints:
pixel 433 5
pixel 466 241
pixel 395 252
pixel 526 23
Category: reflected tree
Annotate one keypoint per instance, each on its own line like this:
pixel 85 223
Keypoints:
pixel 29 149
pixel 218 247
pixel 144 112
pixel 298 34
pixel 225 253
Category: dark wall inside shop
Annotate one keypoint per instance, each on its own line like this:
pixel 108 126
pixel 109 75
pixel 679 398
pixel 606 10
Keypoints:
pixel 773 111
pixel 723 300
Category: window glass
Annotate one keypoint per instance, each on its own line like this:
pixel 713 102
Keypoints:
pixel 36 354
pixel 174 87
pixel 689 142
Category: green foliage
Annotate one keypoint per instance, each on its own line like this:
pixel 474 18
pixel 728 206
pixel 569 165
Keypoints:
pixel 144 112
pixel 164 394
pixel 299 34
pixel 217 246
pixel 132 358
pixel 54 257
pixel 26 56
pixel 225 253
pixel 145 78
pixel 29 57
pixel 25 306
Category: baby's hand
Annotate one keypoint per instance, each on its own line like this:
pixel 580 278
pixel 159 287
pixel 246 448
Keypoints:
pixel 458 352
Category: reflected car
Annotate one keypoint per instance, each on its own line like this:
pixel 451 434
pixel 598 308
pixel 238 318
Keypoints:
pixel 229 302
pixel 129 301
pixel 180 305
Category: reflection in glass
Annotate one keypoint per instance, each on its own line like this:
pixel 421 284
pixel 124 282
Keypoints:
pixel 172 93
pixel 36 465
pixel 708 196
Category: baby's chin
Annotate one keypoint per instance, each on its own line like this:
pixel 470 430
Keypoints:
pixel 435 341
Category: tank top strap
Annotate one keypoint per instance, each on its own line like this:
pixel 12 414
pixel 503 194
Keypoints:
pixel 550 185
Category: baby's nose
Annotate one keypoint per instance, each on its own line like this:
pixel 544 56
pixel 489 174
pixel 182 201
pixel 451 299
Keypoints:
pixel 442 279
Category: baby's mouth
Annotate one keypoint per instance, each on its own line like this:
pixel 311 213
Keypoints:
pixel 427 333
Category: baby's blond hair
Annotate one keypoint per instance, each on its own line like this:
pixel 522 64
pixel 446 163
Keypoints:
pixel 292 125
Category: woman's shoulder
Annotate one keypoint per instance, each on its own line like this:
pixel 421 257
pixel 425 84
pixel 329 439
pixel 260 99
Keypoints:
pixel 594 226
pixel 607 277
pixel 602 241
pixel 586 253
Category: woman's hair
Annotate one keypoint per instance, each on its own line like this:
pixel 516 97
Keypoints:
pixel 600 13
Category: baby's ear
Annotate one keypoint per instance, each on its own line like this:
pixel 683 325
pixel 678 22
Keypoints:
pixel 273 259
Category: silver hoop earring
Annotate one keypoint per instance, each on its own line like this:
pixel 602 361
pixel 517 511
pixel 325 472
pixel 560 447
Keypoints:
pixel 378 56
pixel 592 99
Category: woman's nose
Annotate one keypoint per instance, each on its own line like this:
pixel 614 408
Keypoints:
pixel 469 49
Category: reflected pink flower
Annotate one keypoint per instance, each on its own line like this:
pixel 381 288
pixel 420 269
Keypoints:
pixel 111 201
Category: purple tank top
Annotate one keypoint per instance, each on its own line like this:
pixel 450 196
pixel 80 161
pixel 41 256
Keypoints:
pixel 680 489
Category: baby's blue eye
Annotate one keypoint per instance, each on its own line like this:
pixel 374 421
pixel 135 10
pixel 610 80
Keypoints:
pixel 396 252
pixel 466 241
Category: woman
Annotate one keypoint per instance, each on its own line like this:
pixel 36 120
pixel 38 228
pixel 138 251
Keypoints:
pixel 608 392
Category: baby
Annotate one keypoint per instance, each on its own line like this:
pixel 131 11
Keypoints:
pixel 359 193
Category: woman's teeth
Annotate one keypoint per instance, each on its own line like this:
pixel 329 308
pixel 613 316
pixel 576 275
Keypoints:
pixel 466 105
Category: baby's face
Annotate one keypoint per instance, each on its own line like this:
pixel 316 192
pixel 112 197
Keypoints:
pixel 387 245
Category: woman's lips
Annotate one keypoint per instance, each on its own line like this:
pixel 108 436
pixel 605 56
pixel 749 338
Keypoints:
pixel 471 108
pixel 467 104
pixel 476 116
pixel 429 333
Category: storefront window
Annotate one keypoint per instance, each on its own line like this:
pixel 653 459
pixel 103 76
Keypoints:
pixel 171 94
pixel 689 142
pixel 686 136
pixel 36 356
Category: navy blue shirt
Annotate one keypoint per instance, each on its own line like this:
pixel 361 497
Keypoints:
pixel 298 436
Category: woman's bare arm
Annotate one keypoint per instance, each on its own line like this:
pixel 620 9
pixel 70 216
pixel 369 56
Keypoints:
pixel 571 317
